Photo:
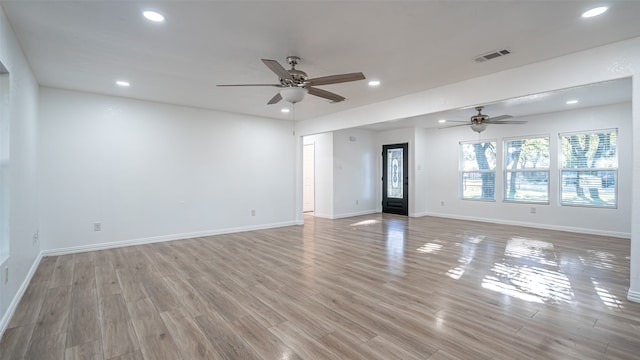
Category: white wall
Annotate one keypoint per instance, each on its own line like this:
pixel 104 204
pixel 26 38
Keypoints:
pixel 442 173
pixel 149 171
pixel 346 168
pixel 23 222
pixel 423 174
pixel 356 160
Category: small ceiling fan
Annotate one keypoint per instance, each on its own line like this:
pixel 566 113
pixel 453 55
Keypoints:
pixel 294 84
pixel 480 121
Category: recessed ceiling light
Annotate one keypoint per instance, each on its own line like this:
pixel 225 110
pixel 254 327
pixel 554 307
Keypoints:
pixel 595 12
pixel 571 102
pixel 373 83
pixel 123 83
pixel 284 110
pixel 153 16
pixel 442 121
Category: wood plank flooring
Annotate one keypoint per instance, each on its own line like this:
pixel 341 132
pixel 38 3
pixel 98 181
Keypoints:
pixel 368 287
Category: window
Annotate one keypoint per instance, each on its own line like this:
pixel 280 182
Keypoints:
pixel 589 170
pixel 478 170
pixel 527 170
pixel 4 163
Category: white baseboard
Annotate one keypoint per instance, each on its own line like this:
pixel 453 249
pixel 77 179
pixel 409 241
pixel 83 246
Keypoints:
pixel 16 299
pixel 321 215
pixel 154 239
pixel 578 230
pixel 633 296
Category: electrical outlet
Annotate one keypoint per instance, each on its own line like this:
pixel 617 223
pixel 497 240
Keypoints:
pixel 36 236
pixel 253 212
pixel 356 202
pixel 97 227
pixel 441 203
pixel 532 210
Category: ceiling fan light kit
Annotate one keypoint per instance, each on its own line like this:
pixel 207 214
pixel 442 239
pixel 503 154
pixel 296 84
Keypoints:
pixel 293 94
pixel 478 127
pixel 294 84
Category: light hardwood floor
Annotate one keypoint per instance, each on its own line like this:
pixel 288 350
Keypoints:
pixel 369 287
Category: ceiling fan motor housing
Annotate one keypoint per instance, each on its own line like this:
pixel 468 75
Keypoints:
pixel 479 119
pixel 298 76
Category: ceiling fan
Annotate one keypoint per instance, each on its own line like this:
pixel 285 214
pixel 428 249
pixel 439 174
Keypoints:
pixel 480 121
pixel 295 84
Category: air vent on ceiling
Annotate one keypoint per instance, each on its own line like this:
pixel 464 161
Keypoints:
pixel 492 55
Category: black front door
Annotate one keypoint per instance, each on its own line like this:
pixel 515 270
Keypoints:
pixel 395 179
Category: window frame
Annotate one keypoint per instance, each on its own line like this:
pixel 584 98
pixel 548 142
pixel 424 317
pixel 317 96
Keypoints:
pixel 506 171
pixel 562 169
pixel 462 172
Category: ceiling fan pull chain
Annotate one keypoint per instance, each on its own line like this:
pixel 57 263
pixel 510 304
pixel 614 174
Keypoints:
pixel 293 114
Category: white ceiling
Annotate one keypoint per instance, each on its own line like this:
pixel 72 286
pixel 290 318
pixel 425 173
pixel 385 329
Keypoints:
pixel 408 46
pixel 604 93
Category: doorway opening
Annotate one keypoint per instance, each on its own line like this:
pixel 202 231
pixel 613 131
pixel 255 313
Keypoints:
pixel 308 178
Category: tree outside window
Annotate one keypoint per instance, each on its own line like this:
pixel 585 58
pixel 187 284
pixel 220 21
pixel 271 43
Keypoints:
pixel 478 170
pixel 527 170
pixel 589 168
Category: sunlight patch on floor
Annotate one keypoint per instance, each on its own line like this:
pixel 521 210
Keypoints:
pixel 366 222
pixel 530 283
pixel 530 272
pixel 495 284
pixel 429 248
pixel 599 259
pixel 455 273
pixel 537 250
pixel 607 298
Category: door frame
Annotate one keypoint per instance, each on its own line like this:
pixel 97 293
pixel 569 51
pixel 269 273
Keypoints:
pixel 391 205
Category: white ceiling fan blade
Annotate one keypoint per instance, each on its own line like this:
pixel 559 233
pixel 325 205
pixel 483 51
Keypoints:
pixel 276 99
pixel 227 85
pixel 501 117
pixel 325 94
pixel 336 79
pixel 466 123
pixel 505 122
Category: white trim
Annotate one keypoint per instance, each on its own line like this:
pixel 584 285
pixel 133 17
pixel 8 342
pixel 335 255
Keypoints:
pixel 347 215
pixel 633 296
pixel 324 216
pixel 154 239
pixel 16 299
pixel 616 234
